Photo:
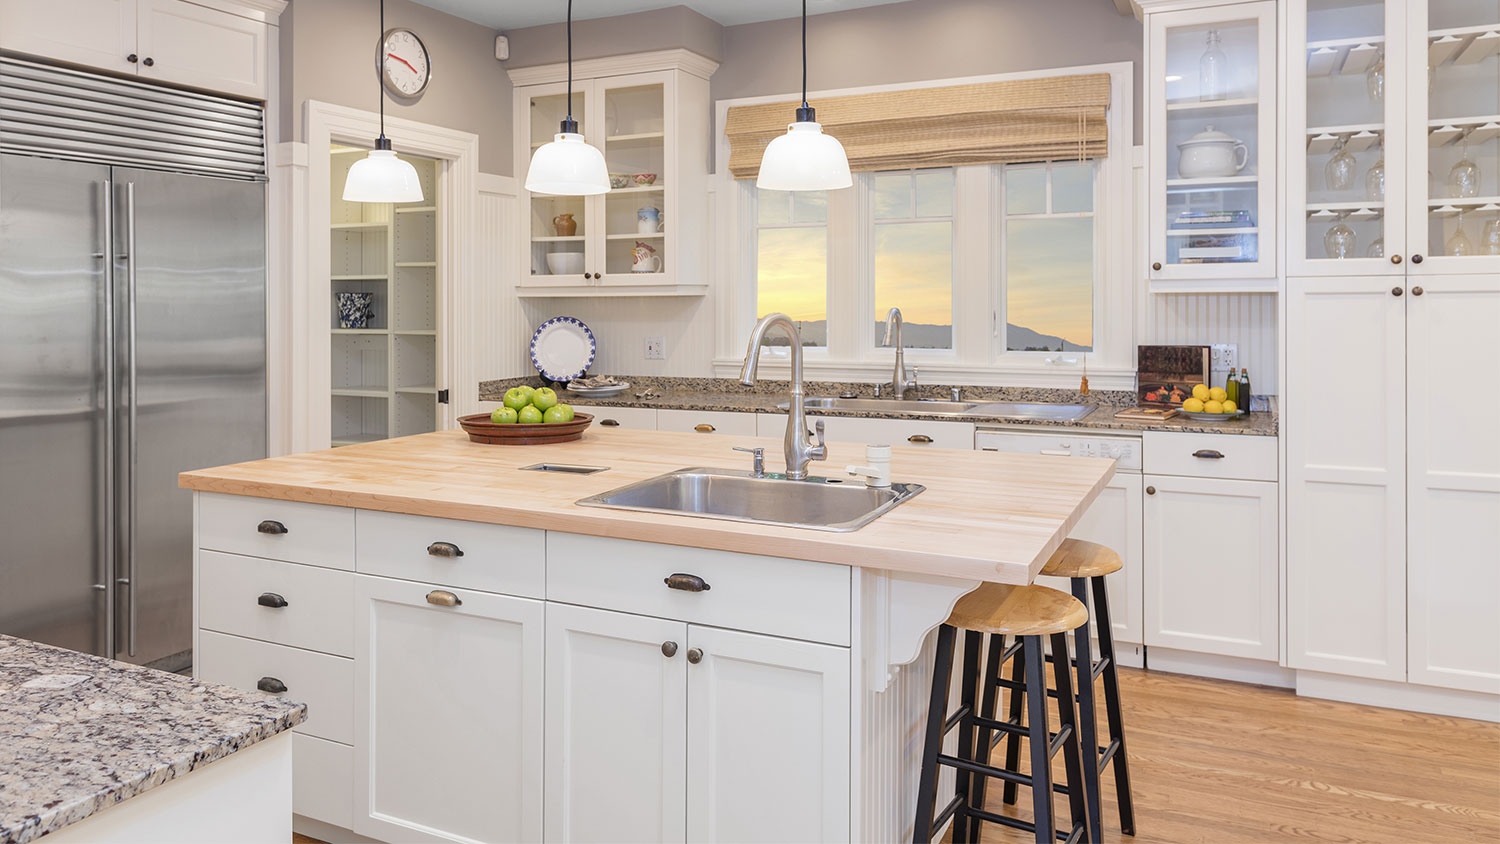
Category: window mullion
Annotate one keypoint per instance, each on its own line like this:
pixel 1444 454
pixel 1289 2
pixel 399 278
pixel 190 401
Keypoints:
pixel 972 266
pixel 847 241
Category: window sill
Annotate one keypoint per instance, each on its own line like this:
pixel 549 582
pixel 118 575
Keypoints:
pixel 875 372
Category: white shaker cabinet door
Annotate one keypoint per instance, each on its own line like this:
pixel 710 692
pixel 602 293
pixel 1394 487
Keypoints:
pixel 193 45
pixel 94 33
pixel 768 739
pixel 1453 483
pixel 1345 475
pixel 616 736
pixel 1114 521
pixel 448 713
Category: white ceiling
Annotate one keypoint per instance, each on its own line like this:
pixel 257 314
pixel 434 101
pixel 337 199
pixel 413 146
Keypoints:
pixel 514 14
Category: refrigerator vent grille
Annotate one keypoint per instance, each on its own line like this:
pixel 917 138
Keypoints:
pixel 64 113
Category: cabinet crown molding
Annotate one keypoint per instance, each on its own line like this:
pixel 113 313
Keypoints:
pixel 1146 7
pixel 678 59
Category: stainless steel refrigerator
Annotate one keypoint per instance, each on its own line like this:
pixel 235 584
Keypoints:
pixel 132 347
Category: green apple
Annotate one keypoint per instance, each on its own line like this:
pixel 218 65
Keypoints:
pixel 529 415
pixel 544 398
pixel 517 397
pixel 558 413
pixel 503 416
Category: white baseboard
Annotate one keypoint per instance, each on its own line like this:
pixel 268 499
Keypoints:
pixel 1409 696
pixel 1258 671
pixel 304 825
pixel 1127 654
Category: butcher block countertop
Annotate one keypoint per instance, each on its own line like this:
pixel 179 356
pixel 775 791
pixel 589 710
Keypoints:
pixel 984 515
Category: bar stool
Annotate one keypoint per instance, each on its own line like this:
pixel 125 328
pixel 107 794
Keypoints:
pixel 1085 564
pixel 1028 613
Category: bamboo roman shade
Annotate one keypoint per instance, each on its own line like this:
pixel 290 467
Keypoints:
pixel 1059 117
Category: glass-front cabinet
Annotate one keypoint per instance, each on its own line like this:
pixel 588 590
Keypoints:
pixel 646 235
pixel 1211 146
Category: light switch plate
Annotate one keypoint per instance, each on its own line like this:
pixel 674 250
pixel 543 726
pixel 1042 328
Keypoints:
pixel 656 348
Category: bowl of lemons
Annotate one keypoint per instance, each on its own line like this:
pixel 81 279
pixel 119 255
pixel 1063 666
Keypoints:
pixel 1211 404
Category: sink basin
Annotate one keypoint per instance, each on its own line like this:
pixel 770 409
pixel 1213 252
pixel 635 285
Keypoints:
pixel 816 503
pixel 1033 410
pixel 886 405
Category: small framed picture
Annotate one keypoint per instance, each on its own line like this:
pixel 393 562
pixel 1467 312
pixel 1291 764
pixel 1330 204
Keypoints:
pixel 1165 375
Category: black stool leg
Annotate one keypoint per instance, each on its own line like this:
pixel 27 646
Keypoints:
pixel 1088 740
pixel 988 701
pixel 1067 718
pixel 1036 719
pixel 1112 706
pixel 1013 740
pixel 937 714
pixel 973 640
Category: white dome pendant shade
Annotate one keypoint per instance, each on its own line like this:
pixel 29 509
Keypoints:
pixel 382 177
pixel 567 166
pixel 804 159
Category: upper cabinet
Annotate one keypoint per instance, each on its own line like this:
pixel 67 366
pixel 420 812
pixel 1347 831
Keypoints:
pixel 1211 146
pixel 215 45
pixel 1393 116
pixel 648 113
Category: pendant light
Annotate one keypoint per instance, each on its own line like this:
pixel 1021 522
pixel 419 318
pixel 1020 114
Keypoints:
pixel 381 176
pixel 567 166
pixel 804 158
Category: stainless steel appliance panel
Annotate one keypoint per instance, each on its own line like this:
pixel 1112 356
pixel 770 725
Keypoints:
pixel 191 327
pixel 54 450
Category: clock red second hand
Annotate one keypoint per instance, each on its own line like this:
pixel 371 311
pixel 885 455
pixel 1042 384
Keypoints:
pixel 401 60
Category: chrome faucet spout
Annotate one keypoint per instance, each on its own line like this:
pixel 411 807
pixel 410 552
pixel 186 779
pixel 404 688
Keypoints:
pixel 900 383
pixel 798 446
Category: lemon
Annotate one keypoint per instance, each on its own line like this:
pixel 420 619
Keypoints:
pixel 1200 392
pixel 1193 405
pixel 1230 407
pixel 1212 406
pixel 1218 394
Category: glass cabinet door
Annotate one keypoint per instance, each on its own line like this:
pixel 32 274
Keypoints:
pixel 558 224
pixel 1212 124
pixel 1453 211
pixel 636 220
pixel 1344 147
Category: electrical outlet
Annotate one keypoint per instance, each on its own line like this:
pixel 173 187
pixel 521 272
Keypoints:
pixel 1224 356
pixel 656 348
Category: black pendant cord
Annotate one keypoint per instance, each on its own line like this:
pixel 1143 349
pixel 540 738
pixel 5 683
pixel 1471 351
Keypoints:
pixel 569 125
pixel 805 114
pixel 382 142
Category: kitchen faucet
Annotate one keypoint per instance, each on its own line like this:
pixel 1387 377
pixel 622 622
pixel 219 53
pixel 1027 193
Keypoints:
pixel 798 447
pixel 899 382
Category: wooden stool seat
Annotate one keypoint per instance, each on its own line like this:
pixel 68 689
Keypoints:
pixel 1076 558
pixel 1018 611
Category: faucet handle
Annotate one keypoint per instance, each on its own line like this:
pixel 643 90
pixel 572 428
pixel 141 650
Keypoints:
pixel 819 451
pixel 759 455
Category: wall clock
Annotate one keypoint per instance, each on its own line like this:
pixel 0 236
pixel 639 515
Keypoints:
pixel 405 65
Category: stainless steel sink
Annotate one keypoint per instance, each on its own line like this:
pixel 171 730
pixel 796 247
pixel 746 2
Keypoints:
pixel 1032 411
pixel 815 503
pixel 953 408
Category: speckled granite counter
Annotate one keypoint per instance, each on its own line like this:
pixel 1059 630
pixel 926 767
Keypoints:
pixel 724 394
pixel 80 733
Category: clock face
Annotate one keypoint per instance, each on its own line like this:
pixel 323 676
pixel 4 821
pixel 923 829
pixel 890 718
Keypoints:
pixel 405 66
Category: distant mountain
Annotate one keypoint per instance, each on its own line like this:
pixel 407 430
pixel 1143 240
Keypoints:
pixel 920 335
pixel 1021 338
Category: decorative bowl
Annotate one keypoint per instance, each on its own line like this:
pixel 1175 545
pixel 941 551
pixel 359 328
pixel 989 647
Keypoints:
pixel 644 179
pixel 481 430
pixel 565 263
pixel 619 180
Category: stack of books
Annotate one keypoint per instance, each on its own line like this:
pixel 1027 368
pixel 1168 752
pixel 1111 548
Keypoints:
pixel 1213 219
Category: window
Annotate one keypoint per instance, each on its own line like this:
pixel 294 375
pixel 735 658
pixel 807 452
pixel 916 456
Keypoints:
pixel 1047 250
pixel 913 254
pixel 791 262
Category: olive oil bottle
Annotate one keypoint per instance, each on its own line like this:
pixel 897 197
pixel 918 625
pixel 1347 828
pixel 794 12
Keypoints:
pixel 1232 388
pixel 1245 394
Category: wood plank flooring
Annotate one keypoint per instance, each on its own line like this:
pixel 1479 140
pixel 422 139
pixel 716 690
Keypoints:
pixel 1214 762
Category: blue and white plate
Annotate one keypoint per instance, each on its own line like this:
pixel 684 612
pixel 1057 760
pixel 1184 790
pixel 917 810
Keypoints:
pixel 563 348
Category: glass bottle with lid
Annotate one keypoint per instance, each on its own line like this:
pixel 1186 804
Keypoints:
pixel 1213 70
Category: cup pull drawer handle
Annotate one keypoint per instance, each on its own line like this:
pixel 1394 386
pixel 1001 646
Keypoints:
pixel 609 423
pixel 920 439
pixel 443 598
pixel 271 599
pixel 704 428
pixel 271 527
pixel 270 685
pixel 1209 454
pixel 686 582
pixel 444 549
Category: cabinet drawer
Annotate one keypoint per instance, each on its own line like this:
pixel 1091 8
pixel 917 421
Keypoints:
pixel 635 418
pixel 325 683
pixel 308 533
pixel 322 780
pixel 319 610
pixel 1210 455
pixel 706 422
pixel 898 432
pixel 794 598
pixel 494 558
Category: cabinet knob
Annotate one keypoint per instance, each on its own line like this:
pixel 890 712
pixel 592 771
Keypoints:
pixel 1395 259
pixel 1156 265
pixel 1416 259
pixel 1150 490
pixel 609 423
pixel 586 276
pixel 443 598
pixel 669 649
pixel 271 599
pixel 597 276
pixel 1396 291
pixel 270 685
pixel 686 582
pixel 444 549
pixel 919 439
pixel 132 58
pixel 271 528
pixel 704 428
pixel 695 655
pixel 1416 291
pixel 148 61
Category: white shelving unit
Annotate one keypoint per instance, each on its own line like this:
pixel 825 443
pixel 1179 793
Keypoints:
pixel 383 375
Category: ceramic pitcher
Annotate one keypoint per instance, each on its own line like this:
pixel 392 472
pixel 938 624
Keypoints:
pixel 646 259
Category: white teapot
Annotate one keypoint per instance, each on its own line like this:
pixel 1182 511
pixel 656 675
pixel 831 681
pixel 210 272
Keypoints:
pixel 1211 154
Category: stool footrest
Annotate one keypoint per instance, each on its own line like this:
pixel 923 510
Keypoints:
pixel 1004 726
pixel 948 810
pixel 1071 836
pixel 953 719
pixel 1058 738
pixel 1107 754
pixel 1102 664
pixel 981 768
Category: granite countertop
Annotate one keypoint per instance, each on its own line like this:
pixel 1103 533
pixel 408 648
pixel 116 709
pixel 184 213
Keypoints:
pixel 723 394
pixel 80 733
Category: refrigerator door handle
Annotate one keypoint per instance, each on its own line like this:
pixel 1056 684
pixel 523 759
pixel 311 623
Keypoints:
pixel 130 417
pixel 110 375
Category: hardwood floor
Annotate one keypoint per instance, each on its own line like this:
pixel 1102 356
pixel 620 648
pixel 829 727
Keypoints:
pixel 1214 762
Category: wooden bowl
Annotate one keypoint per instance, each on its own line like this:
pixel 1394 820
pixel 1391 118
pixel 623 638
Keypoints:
pixel 482 430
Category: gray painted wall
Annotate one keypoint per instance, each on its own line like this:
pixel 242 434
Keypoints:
pixel 328 54
pixel 660 29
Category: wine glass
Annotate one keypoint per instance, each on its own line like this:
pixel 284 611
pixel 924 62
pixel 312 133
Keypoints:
pixel 1340 169
pixel 1463 179
pixel 1491 237
pixel 1375 181
pixel 1338 242
pixel 1459 244
pixel 1375 79
pixel 1376 249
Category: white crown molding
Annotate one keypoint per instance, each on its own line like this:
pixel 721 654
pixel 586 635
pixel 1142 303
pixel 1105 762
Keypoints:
pixel 1148 7
pixel 266 11
pixel 686 61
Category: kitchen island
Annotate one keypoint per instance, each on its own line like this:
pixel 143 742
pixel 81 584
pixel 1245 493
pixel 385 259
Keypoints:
pixel 81 734
pixel 694 671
